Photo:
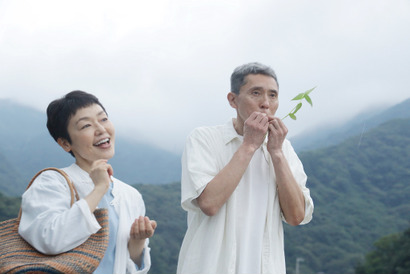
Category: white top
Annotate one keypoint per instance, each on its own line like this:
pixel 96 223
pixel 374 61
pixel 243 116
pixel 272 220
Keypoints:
pixel 211 243
pixel 252 193
pixel 51 226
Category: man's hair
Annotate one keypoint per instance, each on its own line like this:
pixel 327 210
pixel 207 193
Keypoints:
pixel 61 110
pixel 239 74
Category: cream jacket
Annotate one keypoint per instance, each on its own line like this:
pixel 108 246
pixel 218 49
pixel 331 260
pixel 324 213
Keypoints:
pixel 51 226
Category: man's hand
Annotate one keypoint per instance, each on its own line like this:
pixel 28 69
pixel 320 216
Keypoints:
pixel 141 229
pixel 255 129
pixel 276 136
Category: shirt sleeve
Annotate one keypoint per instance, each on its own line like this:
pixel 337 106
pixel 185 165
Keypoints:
pixel 199 167
pixel 298 172
pixel 48 222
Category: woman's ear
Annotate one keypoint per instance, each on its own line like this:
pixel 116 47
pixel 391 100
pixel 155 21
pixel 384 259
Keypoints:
pixel 64 144
pixel 232 99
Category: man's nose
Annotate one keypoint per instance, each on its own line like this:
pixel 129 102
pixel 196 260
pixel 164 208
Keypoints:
pixel 264 102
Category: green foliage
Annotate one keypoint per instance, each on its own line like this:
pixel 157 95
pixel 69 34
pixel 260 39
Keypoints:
pixel 391 255
pixel 9 207
pixel 163 204
pixel 299 98
pixel 360 189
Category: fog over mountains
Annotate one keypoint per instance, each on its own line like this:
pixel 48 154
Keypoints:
pixel 26 147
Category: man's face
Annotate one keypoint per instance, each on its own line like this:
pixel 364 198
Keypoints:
pixel 260 94
pixel 92 136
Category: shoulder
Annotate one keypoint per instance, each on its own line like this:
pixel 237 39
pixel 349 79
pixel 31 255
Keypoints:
pixel 205 131
pixel 207 135
pixel 47 185
pixel 49 177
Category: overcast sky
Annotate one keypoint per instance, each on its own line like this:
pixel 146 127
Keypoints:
pixel 162 68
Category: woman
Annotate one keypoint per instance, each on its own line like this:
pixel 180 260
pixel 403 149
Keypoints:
pixel 80 125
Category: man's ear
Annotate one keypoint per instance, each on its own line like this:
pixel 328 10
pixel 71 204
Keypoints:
pixel 64 144
pixel 232 99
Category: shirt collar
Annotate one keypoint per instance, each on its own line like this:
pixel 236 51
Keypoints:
pixel 80 173
pixel 84 177
pixel 229 133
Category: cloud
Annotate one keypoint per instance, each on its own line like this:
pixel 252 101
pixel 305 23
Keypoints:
pixel 162 68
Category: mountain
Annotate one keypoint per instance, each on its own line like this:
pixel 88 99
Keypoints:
pixel 361 191
pixel 360 188
pixel 26 147
pixel 333 134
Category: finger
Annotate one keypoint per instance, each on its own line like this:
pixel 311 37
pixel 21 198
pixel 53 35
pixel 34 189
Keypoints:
pixel 149 231
pixel 141 224
pixel 153 224
pixel 110 170
pixel 263 119
pixel 134 228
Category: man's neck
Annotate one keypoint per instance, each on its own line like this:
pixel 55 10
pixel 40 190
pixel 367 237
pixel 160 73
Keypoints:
pixel 238 126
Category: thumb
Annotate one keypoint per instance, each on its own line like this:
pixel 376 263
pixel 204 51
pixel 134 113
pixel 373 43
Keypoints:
pixel 153 224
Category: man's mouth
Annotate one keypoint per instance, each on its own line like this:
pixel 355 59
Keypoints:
pixel 103 141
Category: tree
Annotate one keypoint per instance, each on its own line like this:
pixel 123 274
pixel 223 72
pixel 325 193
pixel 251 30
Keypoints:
pixel 392 255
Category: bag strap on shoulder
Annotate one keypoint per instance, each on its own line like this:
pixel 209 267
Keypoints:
pixel 73 191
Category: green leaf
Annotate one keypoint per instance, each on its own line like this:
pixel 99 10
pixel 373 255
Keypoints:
pixel 299 96
pixel 310 90
pixel 308 99
pixel 297 108
pixel 292 116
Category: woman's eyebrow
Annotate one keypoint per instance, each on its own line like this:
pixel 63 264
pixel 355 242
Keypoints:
pixel 81 119
pixel 88 118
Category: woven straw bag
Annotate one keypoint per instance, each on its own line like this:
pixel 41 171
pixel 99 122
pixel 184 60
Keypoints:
pixel 17 256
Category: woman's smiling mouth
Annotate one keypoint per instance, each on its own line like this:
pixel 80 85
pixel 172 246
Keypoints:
pixel 102 142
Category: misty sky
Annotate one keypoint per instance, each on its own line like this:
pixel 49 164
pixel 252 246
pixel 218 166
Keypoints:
pixel 162 68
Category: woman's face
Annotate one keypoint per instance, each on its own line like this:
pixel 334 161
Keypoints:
pixel 92 136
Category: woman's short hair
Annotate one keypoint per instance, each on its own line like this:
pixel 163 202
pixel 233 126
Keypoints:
pixel 239 74
pixel 61 110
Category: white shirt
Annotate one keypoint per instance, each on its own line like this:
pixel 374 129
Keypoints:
pixel 252 207
pixel 211 244
pixel 51 226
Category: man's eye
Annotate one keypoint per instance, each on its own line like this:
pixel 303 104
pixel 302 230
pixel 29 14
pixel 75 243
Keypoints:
pixel 255 93
pixel 273 95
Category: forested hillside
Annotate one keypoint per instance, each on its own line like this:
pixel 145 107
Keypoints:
pixel 361 190
pixel 26 147
pixel 328 135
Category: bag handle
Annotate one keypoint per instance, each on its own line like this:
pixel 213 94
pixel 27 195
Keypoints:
pixel 73 191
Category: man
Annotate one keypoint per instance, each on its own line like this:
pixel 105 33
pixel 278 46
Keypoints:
pixel 239 181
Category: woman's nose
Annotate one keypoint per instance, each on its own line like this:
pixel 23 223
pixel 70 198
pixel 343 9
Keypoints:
pixel 100 129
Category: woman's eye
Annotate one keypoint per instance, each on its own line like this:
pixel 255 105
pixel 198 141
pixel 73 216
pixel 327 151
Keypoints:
pixel 85 126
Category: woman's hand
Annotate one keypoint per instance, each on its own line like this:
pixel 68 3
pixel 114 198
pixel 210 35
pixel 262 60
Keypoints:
pixel 141 229
pixel 100 173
